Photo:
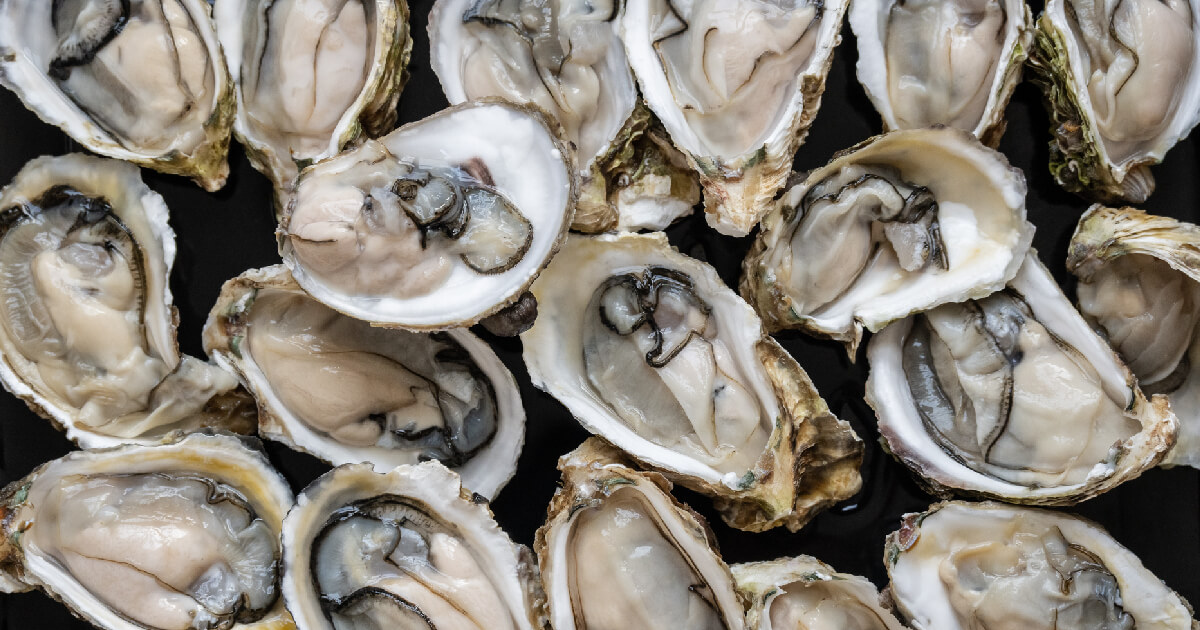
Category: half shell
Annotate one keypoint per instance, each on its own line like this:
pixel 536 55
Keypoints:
pixel 805 593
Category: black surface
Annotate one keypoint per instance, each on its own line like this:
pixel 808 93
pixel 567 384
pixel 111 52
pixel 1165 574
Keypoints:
pixel 220 235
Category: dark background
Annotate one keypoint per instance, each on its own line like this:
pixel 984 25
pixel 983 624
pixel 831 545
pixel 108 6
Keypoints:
pixel 221 235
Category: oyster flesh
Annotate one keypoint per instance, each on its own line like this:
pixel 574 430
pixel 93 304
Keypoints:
pixel 897 224
pixel 1014 397
pixel 436 225
pixel 81 65
pixel 178 536
pixel 618 551
pixel 803 593
pixel 87 329
pixel 649 349
pixel 963 566
pixel 406 549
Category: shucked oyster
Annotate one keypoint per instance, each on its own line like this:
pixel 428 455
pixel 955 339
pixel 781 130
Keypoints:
pixel 409 549
pixel 347 392
pixel 139 80
pixel 618 551
pixel 962 566
pixel 311 76
pixel 178 536
pixel 436 225
pixel 1139 283
pixel 895 225
pixel 87 330
pixel 1012 396
pixel 933 62
pixel 737 85
pixel 649 349
pixel 1122 85
pixel 803 593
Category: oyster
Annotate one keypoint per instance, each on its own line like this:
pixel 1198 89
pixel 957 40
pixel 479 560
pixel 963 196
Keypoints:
pixel 174 536
pixel 80 65
pixel 406 549
pixel 87 329
pixel 1122 86
pixel 311 76
pixel 1139 284
pixel 618 551
pixel 565 56
pixel 803 593
pixel 988 565
pixel 737 85
pixel 931 62
pixel 1013 397
pixel 649 349
pixel 897 224
pixel 436 225
pixel 347 392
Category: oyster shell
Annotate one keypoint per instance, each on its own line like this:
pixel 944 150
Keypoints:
pixel 988 565
pixel 311 77
pixel 80 65
pixel 805 593
pixel 897 224
pixel 1013 397
pixel 180 535
pixel 1122 86
pixel 1139 285
pixel 649 349
pixel 405 549
pixel 439 224
pixel 736 84
pixel 618 551
pixel 347 392
pixel 87 329
pixel 942 63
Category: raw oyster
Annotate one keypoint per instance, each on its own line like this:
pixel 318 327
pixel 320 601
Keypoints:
pixel 175 536
pixel 81 65
pixel 436 225
pixel 1139 284
pixel 311 76
pixel 897 224
pixel 961 566
pixel 87 329
pixel 406 549
pixel 803 593
pixel 1122 85
pixel 737 85
pixel 618 551
pixel 1013 397
pixel 931 62
pixel 347 392
pixel 649 349
pixel 565 56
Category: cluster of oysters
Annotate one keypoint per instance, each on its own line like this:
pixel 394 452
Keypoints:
pixel 604 118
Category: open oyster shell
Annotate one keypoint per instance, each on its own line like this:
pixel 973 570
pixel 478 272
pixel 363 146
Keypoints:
pixel 942 63
pixel 179 535
pixel 617 551
pixel 987 565
pixel 1122 86
pixel 894 225
pixel 406 549
pixel 347 392
pixel 1013 397
pixel 87 329
pixel 82 66
pixel 805 593
pixel 1139 285
pixel 649 349
pixel 311 77
pixel 737 85
pixel 437 225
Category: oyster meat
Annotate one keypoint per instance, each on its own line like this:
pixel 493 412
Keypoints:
pixel 1013 396
pixel 80 65
pixel 803 593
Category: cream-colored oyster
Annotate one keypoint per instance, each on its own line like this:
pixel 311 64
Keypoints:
pixel 803 593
